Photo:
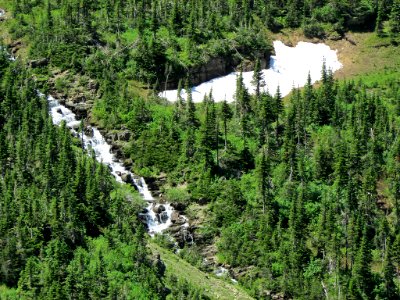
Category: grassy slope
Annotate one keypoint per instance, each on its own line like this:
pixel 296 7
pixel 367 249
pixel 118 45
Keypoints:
pixel 369 57
pixel 214 288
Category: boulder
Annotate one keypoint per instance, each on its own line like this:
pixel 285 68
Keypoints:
pixel 164 217
pixel 124 136
pixel 78 98
pixel 174 230
pixel 114 148
pixel 89 131
pixel 180 221
pixel 126 177
pixel 158 209
pixel 38 62
pixel 174 216
pixel 178 206
pixel 128 163
pixel 92 85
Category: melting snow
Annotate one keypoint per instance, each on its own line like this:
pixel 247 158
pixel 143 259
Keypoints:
pixel 288 68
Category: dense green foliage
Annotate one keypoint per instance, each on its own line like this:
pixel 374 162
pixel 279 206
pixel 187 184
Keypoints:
pixel 66 230
pixel 163 40
pixel 302 198
pixel 305 194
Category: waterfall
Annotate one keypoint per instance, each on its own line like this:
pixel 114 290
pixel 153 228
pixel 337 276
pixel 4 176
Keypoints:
pixel 157 216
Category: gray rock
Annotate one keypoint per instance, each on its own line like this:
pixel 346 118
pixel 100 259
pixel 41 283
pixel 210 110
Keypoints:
pixel 126 177
pixel 124 135
pixel 164 217
pixel 174 216
pixel 158 209
pixel 38 62
pixel 89 131
pixel 178 206
pixel 78 98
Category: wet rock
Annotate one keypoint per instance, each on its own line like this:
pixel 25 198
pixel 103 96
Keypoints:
pixel 92 85
pixel 114 148
pixel 59 111
pixel 124 136
pixel 180 221
pixel 111 137
pixel 173 230
pixel 174 216
pixel 158 209
pixel 118 173
pixel 38 63
pixel 164 217
pixel 15 46
pixel 128 163
pixel 126 177
pixel 178 206
pixel 89 131
pixel 78 98
pixel 118 154
pixel 143 218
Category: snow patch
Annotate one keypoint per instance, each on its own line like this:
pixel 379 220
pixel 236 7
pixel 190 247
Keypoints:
pixel 288 68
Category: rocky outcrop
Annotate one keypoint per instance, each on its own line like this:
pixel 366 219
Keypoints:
pixel 216 67
pixel 42 62
pixel 15 47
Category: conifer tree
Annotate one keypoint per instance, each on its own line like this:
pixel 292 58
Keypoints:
pixel 226 115
pixel 390 290
pixel 258 78
pixel 361 282
pixel 395 17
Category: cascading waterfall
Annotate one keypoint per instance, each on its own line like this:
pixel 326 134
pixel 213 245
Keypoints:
pixel 94 141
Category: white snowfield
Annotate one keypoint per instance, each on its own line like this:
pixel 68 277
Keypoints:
pixel 288 68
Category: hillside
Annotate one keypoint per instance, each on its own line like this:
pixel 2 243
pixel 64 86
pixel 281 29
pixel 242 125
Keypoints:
pixel 296 197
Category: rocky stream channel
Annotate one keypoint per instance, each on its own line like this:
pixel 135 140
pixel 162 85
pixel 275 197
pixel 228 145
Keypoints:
pixel 159 216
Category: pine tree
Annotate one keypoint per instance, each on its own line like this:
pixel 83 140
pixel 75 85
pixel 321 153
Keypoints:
pixel 258 78
pixel 394 18
pixel 379 20
pixel 226 114
pixel 390 290
pixel 278 109
pixel 361 281
pixel 264 185
pixel 191 119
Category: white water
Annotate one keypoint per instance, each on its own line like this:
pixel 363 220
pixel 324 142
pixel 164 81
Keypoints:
pixel 288 68
pixel 2 12
pixel 102 150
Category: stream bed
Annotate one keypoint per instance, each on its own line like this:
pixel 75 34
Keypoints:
pixel 157 216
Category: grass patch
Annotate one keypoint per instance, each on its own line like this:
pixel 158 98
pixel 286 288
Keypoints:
pixel 213 287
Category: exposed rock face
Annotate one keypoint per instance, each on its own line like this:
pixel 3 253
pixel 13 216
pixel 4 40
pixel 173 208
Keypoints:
pixel 126 177
pixel 216 67
pixel 124 136
pixel 15 46
pixel 38 63
pixel 89 131
pixel 178 206
pixel 158 209
pixel 174 216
